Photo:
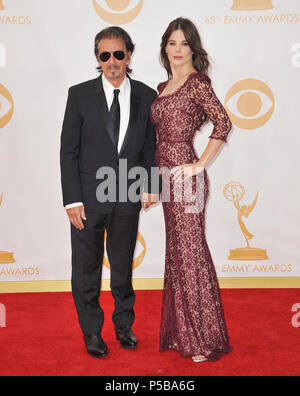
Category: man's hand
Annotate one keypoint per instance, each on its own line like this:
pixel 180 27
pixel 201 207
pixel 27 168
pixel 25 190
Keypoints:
pixel 149 200
pixel 76 215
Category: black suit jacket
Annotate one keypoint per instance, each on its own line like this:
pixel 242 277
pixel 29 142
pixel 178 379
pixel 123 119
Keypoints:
pixel 87 144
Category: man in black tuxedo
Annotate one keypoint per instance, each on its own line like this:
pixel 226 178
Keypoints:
pixel 107 126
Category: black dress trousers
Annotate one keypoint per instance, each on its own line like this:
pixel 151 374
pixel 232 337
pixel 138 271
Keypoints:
pixel 87 259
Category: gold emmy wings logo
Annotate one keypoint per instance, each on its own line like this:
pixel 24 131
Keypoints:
pixel 252 12
pixel 6 106
pixel 235 192
pixel 138 260
pixel 2 6
pixel 119 13
pixel 252 5
pixel 253 98
pixel 5 257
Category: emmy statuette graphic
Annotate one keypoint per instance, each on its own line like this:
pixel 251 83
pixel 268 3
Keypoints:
pixel 252 5
pixel 5 257
pixel 2 6
pixel 235 192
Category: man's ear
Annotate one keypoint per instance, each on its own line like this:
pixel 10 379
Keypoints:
pixel 129 55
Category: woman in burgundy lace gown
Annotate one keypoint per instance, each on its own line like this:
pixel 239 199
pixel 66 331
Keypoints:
pixel 192 315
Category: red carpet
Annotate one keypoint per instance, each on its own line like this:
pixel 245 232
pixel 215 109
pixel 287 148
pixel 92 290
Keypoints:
pixel 42 338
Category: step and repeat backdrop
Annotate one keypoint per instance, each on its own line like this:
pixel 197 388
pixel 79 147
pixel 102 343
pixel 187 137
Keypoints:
pixel 253 213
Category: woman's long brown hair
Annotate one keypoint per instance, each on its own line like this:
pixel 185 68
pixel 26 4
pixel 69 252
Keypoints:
pixel 200 57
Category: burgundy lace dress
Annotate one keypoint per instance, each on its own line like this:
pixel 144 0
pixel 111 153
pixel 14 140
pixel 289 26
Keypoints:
pixel 192 314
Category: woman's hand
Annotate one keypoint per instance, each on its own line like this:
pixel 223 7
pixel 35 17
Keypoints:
pixel 149 200
pixel 184 172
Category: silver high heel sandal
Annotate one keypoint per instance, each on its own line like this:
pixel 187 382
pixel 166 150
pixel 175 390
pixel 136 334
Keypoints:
pixel 199 359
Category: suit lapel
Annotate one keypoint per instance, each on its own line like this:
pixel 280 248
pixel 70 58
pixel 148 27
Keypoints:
pixel 134 111
pixel 103 109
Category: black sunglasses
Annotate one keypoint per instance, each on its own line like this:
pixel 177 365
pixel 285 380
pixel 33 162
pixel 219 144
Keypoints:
pixel 105 56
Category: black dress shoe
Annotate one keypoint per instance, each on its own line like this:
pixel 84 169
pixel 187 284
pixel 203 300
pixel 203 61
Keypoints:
pixel 95 346
pixel 126 337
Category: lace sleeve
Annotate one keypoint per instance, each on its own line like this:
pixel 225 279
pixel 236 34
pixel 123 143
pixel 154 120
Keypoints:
pixel 203 95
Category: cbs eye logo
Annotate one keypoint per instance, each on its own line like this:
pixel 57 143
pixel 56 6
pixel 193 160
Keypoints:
pixel 250 104
pixel 141 252
pixel 6 106
pixel 118 12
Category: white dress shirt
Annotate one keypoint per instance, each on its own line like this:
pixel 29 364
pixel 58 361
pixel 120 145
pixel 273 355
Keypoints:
pixel 124 100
